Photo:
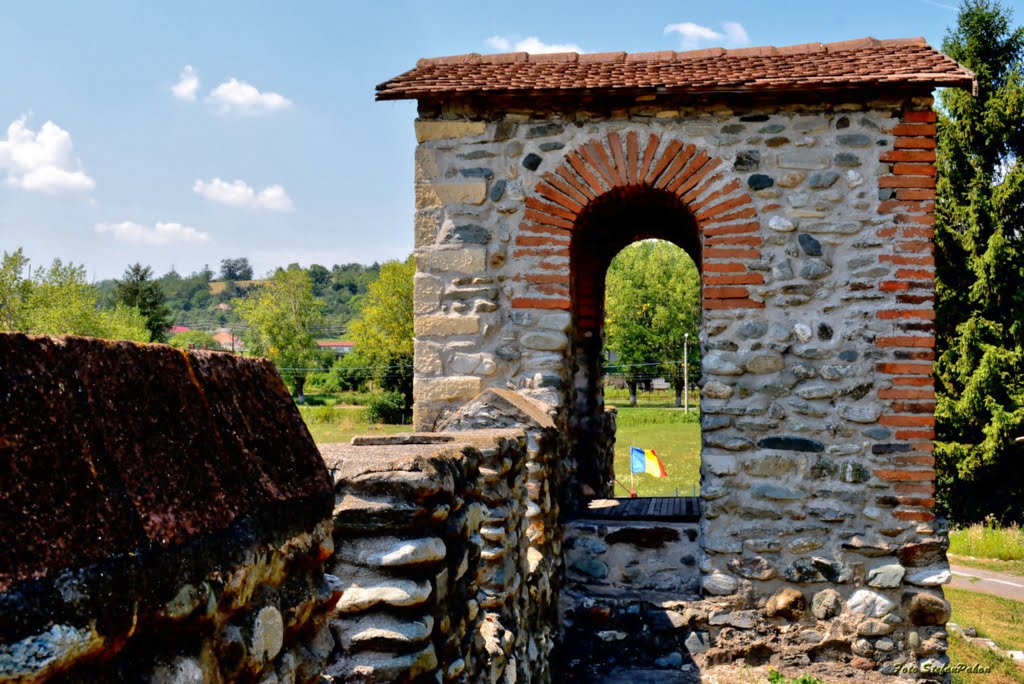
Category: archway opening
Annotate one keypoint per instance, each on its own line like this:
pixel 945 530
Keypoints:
pixel 605 228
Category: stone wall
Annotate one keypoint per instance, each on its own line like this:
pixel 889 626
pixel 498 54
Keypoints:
pixel 164 517
pixel 448 561
pixel 812 227
pixel 623 579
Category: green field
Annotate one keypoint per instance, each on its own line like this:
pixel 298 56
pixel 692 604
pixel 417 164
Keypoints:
pixel 673 435
pixel 653 424
pixel 335 424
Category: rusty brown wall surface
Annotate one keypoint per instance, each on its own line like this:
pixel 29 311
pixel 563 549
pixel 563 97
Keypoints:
pixel 114 448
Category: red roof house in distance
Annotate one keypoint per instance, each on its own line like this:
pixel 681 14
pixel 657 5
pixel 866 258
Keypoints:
pixel 337 346
pixel 175 329
pixel 229 342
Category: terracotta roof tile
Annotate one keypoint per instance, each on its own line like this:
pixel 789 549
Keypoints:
pixel 858 63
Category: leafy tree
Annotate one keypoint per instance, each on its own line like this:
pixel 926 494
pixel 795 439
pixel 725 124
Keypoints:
pixel 193 339
pixel 15 289
pixel 138 289
pixel 122 322
pixel 235 269
pixel 979 233
pixel 652 302
pixel 58 301
pixel 283 317
pixel 383 330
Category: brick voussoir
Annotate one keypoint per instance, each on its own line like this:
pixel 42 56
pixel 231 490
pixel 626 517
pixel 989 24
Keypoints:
pixel 733 229
pixel 632 157
pixel 749 212
pixel 549 208
pixel 650 150
pixel 698 167
pixel 666 158
pixel 579 165
pixel 538 228
pixel 618 159
pixel 603 164
pixel 547 219
pixel 562 195
pixel 675 167
pixel 568 173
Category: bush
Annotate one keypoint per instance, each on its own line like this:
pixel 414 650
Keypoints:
pixel 323 383
pixel 386 407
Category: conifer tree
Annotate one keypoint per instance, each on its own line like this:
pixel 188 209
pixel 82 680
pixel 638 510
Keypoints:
pixel 979 235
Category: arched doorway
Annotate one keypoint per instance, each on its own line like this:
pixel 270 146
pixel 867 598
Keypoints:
pixel 611 222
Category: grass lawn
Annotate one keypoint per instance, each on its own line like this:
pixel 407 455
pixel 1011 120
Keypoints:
pixel 990 548
pixel 996 618
pixel 673 435
pixel 1003 670
pixel 331 425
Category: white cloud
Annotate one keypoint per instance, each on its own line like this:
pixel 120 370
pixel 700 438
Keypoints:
pixel 43 161
pixel 159 235
pixel 238 193
pixel 238 96
pixel 735 34
pixel 187 85
pixel 531 44
pixel 692 36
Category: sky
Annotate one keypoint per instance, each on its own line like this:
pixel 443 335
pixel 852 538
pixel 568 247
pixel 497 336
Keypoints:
pixel 180 134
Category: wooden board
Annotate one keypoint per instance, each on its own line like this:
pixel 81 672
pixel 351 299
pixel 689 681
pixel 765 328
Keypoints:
pixel 661 508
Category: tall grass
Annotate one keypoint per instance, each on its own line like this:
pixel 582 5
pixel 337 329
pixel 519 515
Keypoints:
pixel 331 415
pixel 988 541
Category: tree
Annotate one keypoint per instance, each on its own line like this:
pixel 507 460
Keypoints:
pixel 383 330
pixel 58 301
pixel 193 339
pixel 138 289
pixel 652 303
pixel 15 289
pixel 283 317
pixel 235 269
pixel 979 234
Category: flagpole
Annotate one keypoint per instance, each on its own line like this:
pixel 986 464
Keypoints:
pixel 632 491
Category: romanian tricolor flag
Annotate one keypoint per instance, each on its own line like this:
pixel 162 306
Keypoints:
pixel 646 461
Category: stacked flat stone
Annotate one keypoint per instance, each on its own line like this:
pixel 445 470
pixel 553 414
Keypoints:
pixel 436 556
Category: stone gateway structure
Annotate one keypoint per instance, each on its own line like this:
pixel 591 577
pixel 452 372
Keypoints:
pixel 801 182
pixel 166 517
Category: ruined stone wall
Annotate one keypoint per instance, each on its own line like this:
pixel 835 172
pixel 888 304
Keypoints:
pixel 447 560
pixel 164 516
pixel 814 226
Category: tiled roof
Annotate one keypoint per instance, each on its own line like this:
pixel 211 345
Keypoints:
pixel 860 64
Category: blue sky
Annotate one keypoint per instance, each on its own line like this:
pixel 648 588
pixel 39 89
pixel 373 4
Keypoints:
pixel 109 155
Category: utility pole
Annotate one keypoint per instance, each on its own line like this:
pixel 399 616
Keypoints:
pixel 686 372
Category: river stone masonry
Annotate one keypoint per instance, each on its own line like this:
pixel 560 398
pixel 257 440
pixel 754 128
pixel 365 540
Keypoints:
pixel 803 188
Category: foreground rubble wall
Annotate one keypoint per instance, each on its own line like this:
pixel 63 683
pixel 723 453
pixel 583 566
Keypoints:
pixel 164 516
pixel 448 551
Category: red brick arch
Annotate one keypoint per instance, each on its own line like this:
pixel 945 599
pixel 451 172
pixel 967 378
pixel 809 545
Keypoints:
pixel 602 170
